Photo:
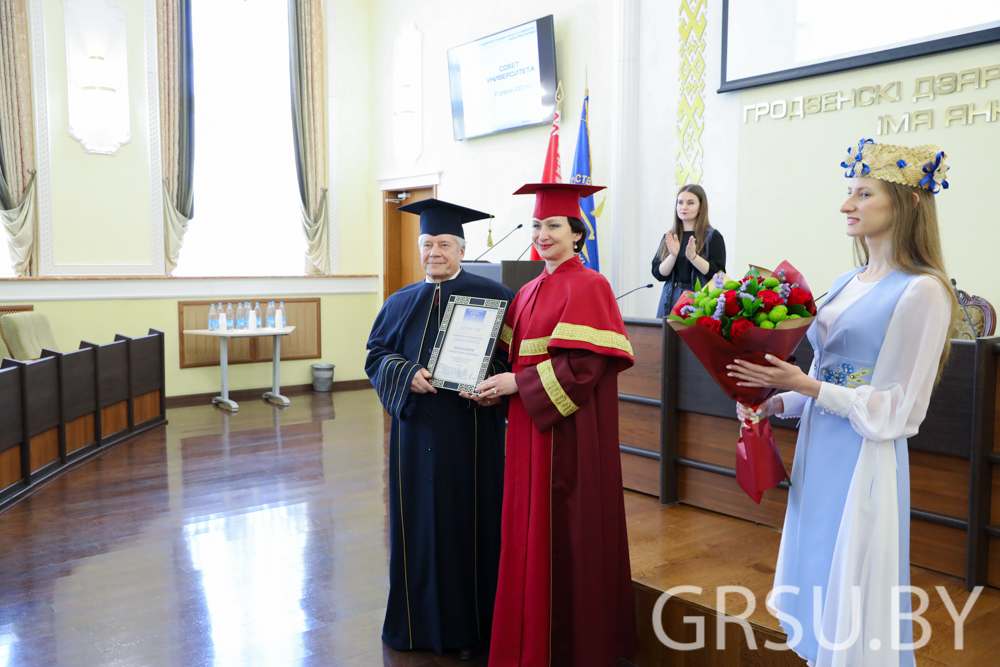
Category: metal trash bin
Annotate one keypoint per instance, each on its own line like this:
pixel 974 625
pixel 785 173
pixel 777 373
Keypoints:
pixel 323 377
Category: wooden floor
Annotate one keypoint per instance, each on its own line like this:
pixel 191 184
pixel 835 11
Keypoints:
pixel 262 539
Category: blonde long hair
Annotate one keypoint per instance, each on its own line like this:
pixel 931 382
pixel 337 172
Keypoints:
pixel 701 225
pixel 915 245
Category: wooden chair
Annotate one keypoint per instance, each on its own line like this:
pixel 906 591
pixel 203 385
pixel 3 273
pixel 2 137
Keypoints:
pixel 982 314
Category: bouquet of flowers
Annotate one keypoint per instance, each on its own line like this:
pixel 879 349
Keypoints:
pixel 764 313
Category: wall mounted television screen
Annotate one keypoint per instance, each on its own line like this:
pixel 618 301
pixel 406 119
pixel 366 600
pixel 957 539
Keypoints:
pixel 767 41
pixel 503 81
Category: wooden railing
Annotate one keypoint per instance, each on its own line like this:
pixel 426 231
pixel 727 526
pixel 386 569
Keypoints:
pixel 65 407
pixel 679 431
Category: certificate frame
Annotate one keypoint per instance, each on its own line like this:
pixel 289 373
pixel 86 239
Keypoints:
pixel 442 353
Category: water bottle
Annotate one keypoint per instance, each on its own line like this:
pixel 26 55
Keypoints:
pixel 213 318
pixel 257 316
pixel 241 316
pixel 279 317
pixel 269 317
pixel 246 316
pixel 230 316
pixel 224 322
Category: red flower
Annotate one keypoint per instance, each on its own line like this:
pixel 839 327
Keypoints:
pixel 711 323
pixel 800 297
pixel 770 299
pixel 685 300
pixel 732 303
pixel 739 326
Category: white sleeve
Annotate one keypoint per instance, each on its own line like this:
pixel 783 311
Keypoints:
pixel 904 371
pixel 793 402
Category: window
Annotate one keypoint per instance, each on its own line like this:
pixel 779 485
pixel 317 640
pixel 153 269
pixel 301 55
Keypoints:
pixel 247 219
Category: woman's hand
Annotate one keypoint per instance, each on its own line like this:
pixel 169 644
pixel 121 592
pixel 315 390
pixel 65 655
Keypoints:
pixel 779 375
pixel 690 250
pixel 492 390
pixel 673 244
pixel 772 406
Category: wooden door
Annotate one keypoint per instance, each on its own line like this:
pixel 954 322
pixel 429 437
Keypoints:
pixel 401 230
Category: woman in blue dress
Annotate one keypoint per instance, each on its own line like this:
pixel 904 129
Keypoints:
pixel 880 341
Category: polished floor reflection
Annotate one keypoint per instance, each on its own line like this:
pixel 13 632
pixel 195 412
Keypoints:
pixel 254 539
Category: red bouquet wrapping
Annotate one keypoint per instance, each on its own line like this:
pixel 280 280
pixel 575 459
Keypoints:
pixel 726 320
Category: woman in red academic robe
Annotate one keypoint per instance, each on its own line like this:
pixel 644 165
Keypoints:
pixel 564 594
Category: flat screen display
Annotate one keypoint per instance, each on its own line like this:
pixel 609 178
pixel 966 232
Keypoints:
pixel 503 81
pixel 766 41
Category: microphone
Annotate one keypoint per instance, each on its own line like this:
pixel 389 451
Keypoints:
pixel 524 251
pixel 954 284
pixel 500 241
pixel 633 290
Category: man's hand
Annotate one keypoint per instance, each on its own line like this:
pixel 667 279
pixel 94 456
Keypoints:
pixel 420 385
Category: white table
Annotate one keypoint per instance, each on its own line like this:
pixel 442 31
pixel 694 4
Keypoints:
pixel 272 396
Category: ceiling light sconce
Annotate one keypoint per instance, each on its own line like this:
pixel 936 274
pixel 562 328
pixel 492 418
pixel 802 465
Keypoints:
pixel 97 75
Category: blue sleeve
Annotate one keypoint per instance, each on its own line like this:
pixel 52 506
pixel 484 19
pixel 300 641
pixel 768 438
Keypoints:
pixel 388 370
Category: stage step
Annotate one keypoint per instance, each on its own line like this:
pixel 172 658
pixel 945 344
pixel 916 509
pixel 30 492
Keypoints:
pixel 677 545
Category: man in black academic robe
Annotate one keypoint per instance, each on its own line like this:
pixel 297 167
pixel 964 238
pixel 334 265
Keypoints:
pixel 446 456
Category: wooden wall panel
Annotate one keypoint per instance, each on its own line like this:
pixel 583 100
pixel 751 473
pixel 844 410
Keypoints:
pixel 644 378
pixel 303 343
pixel 939 484
pixel 146 407
pixel 639 425
pixel 10 466
pixel 641 474
pixel 995 507
pixel 938 548
pixel 11 422
pixel 713 440
pixel 43 395
pixel 147 364
pixel 44 449
pixel 113 362
pixel 79 433
pixel 996 416
pixel 720 493
pixel 114 418
pixel 79 389
pixel 993 578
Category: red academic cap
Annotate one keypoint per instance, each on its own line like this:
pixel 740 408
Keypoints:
pixel 558 198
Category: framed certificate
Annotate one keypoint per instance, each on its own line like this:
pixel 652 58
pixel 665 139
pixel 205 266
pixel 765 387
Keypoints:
pixel 466 342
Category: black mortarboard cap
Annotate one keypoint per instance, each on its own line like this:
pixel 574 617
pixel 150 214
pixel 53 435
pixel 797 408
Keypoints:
pixel 441 217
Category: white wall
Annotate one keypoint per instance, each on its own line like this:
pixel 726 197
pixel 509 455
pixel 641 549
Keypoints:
pixel 482 173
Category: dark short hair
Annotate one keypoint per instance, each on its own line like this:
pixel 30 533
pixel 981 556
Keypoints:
pixel 577 227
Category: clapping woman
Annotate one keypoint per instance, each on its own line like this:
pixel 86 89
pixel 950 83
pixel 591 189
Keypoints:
pixel 880 342
pixel 692 250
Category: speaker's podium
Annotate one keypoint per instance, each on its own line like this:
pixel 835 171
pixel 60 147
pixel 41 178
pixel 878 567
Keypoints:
pixel 513 274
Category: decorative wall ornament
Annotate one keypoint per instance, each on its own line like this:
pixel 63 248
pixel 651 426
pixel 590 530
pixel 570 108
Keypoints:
pixel 97 74
pixel 691 104
pixel 407 95
pixel 46 243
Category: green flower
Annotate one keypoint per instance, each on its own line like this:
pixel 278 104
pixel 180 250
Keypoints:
pixel 778 313
pixel 760 318
pixel 771 282
pixel 795 317
pixel 731 284
pixel 716 293
pixel 767 324
pixel 711 306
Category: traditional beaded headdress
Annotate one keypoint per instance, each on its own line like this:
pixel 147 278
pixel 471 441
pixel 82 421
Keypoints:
pixel 920 167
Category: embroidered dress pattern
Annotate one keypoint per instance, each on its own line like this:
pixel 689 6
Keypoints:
pixel 556 393
pixel 844 375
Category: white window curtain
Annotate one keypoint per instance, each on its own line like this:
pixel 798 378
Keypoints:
pixel 17 147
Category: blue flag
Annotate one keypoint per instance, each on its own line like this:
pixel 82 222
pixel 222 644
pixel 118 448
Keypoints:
pixel 581 175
